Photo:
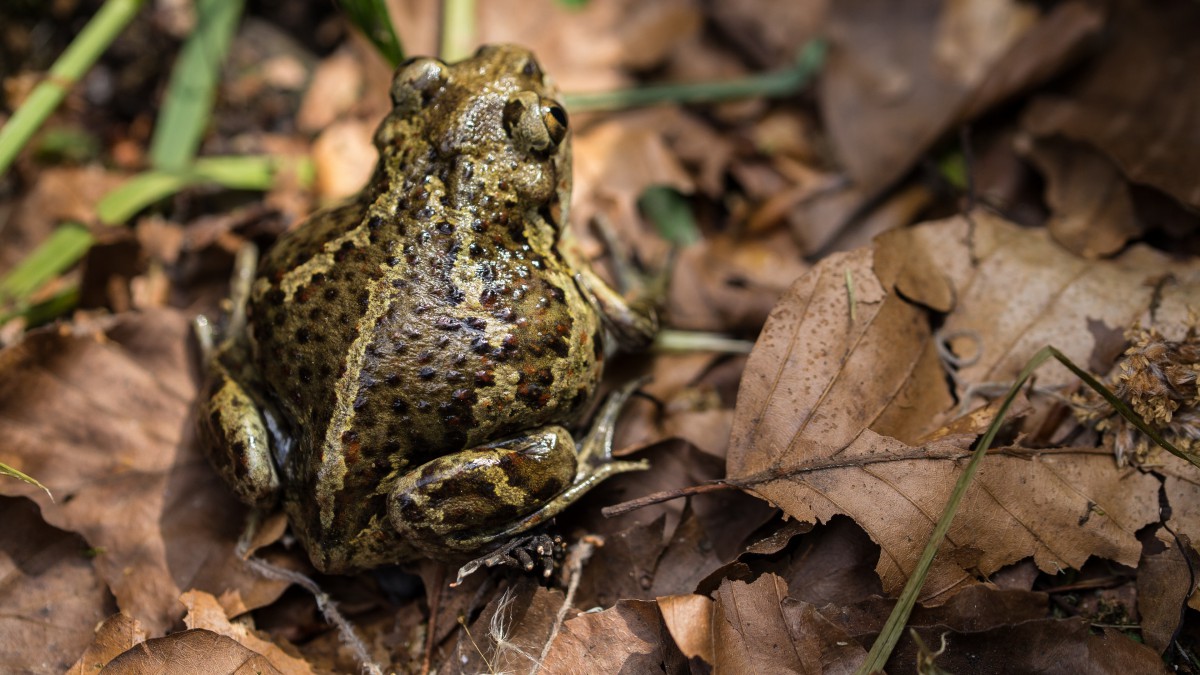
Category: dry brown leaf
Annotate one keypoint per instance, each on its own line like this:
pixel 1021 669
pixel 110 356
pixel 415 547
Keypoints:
pixel 643 557
pixel 1025 293
pixel 1092 205
pixel 769 31
pixel 1165 580
pixel 973 34
pixel 831 402
pixel 831 564
pixel 343 158
pixel 757 628
pixel 749 631
pixel 1137 102
pixel 191 651
pixel 119 633
pixel 987 630
pixel 689 396
pixel 1182 489
pixel 582 51
pixel 509 634
pixel 335 87
pixel 204 612
pixel 727 284
pixel 627 637
pixel 887 94
pixel 52 598
pixel 689 619
pixel 687 559
pixel 615 161
pixel 624 567
pixel 1041 52
pixel 653 30
pixel 103 420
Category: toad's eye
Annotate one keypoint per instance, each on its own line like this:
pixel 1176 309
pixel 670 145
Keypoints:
pixel 416 81
pixel 535 124
pixel 555 119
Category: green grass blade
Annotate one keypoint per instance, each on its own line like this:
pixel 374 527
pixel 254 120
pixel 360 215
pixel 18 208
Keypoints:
pixel 235 173
pixel 58 253
pixel 783 83
pixel 372 20
pixel 71 241
pixel 881 650
pixel 125 201
pixel 99 33
pixel 242 173
pixel 7 470
pixel 188 105
pixel 51 308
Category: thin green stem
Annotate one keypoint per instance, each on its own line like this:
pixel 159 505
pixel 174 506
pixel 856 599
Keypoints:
pixel 458 30
pixel 99 33
pixel 783 83
pixel 65 246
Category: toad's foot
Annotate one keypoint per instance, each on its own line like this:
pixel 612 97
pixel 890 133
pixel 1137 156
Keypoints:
pixel 525 553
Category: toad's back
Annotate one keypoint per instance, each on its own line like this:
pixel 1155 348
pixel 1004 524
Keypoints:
pixel 431 314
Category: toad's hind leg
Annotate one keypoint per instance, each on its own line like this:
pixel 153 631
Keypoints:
pixel 470 500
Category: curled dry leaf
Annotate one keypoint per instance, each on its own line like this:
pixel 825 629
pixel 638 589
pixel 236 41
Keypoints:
pixel 119 633
pixel 689 619
pixel 1137 102
pixel 103 418
pixel 627 637
pixel 715 631
pixel 191 651
pixel 834 402
pixel 1092 204
pixel 204 612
